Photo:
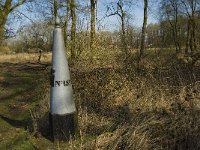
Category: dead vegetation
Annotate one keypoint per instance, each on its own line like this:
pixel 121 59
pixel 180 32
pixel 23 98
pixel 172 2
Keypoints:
pixel 156 107
pixel 121 107
pixel 24 57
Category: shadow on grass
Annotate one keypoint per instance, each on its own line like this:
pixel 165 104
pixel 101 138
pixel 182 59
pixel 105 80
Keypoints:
pixel 94 91
pixel 162 69
pixel 22 81
pixel 18 123
pixel 162 130
pixel 177 128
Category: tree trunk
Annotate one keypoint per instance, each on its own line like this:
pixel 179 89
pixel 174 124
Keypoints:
pixel 176 36
pixel 55 8
pixel 3 18
pixel 187 49
pixel 73 30
pixel 178 48
pixel 144 28
pixel 92 32
pixel 6 9
pixel 123 33
pixel 193 30
pixel 66 23
pixel 123 37
pixel 194 35
pixel 2 25
pixel 191 35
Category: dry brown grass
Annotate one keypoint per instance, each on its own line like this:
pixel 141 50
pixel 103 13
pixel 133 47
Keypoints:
pixel 156 107
pixel 24 57
pixel 123 108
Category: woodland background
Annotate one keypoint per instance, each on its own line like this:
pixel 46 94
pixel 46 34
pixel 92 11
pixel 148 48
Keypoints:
pixel 135 87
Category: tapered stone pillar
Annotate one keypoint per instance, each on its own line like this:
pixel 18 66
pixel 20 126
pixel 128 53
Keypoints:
pixel 63 116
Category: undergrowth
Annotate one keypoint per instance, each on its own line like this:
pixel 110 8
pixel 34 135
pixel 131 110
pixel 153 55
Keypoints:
pixel 121 106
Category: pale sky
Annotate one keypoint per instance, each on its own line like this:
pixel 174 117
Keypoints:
pixel 108 23
pixel 136 12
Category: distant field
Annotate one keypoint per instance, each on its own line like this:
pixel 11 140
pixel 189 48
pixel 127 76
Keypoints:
pixel 120 106
pixel 24 57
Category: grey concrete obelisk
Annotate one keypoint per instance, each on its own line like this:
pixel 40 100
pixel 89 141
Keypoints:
pixel 62 106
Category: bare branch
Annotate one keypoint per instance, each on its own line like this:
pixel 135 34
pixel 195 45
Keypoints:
pixel 17 4
pixel 24 15
pixel 186 8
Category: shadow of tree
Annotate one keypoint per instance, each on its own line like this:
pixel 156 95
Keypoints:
pixel 21 83
pixel 162 69
pixel 180 131
pixel 94 90
pixel 18 123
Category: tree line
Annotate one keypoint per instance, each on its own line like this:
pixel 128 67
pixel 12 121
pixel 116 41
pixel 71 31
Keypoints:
pixel 177 26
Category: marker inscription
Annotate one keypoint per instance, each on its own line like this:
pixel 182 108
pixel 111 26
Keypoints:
pixel 62 83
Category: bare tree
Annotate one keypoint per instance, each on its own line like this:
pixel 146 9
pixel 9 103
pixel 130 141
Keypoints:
pixel 93 17
pixel 66 21
pixel 73 30
pixel 5 9
pixel 191 10
pixel 55 8
pixel 170 9
pixel 144 29
pixel 120 12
